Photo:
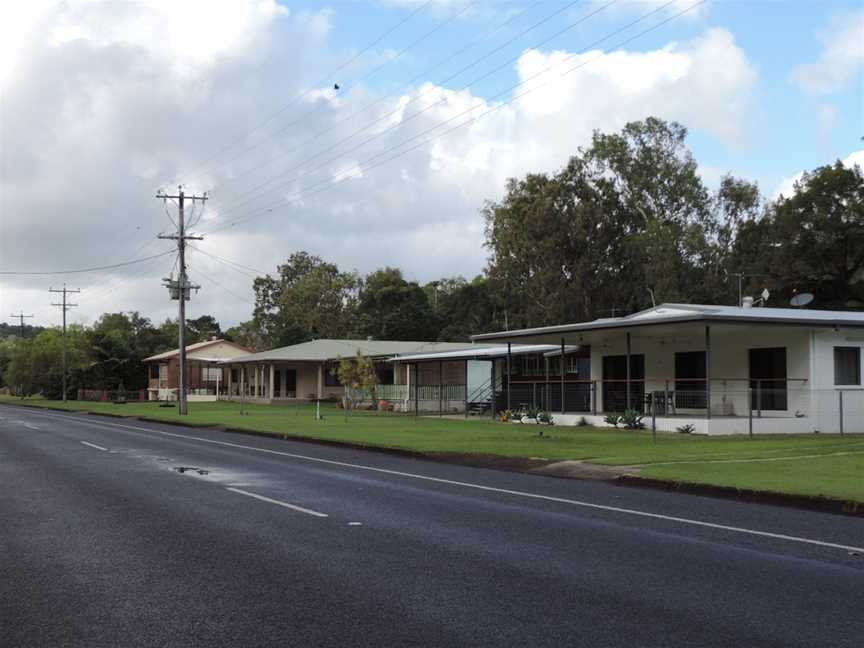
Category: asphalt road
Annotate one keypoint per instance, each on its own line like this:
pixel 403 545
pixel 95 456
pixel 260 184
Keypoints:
pixel 104 543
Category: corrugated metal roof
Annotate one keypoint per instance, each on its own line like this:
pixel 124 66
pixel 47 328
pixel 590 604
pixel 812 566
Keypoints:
pixel 483 352
pixel 324 350
pixel 192 347
pixel 671 313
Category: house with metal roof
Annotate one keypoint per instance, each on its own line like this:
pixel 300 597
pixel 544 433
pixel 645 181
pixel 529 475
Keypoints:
pixel 206 376
pixel 305 372
pixel 718 369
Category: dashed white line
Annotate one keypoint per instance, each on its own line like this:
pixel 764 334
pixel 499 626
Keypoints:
pixel 93 445
pixel 536 496
pixel 31 426
pixel 293 507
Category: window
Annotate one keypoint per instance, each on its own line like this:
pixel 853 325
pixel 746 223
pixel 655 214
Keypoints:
pixel 330 379
pixel 385 374
pixel 211 374
pixel 847 365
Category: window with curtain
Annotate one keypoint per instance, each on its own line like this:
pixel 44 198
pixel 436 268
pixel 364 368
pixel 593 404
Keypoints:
pixel 847 365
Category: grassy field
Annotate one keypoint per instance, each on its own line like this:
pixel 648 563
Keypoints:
pixel 813 464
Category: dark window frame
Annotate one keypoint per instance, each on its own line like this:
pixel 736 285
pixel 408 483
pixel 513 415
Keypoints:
pixel 855 366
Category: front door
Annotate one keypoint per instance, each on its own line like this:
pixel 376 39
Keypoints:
pixel 615 382
pixel 290 383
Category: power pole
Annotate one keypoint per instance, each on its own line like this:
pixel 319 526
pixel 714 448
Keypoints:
pixel 180 289
pixel 20 317
pixel 65 306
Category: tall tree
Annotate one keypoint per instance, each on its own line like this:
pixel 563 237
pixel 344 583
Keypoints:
pixel 36 363
pixel 309 298
pixel 391 308
pixel 627 214
pixel 812 241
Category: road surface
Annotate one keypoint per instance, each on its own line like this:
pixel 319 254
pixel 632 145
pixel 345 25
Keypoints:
pixel 261 542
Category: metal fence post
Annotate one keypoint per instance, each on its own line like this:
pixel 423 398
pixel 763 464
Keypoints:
pixel 750 410
pixel 759 398
pixel 594 397
pixel 840 394
pixel 653 417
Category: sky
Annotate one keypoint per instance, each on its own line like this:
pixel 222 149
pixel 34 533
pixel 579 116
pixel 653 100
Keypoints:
pixel 439 102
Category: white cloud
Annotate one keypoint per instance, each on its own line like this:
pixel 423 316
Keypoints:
pixel 100 121
pixel 786 187
pixel 841 60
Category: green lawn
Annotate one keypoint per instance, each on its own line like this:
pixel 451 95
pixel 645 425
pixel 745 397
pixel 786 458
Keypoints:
pixel 835 476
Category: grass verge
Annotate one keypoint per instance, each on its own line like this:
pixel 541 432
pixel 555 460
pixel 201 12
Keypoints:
pixel 824 465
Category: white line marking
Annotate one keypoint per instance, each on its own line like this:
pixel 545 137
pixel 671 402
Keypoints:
pixel 293 507
pixel 31 426
pixel 93 445
pixel 355 524
pixel 547 498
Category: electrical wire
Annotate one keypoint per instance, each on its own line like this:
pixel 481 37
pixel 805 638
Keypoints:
pixel 231 264
pixel 83 270
pixel 344 88
pixel 326 79
pixel 199 274
pixel 332 159
pixel 351 174
pixel 401 108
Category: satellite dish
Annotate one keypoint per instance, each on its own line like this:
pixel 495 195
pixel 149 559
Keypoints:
pixel 765 295
pixel 801 299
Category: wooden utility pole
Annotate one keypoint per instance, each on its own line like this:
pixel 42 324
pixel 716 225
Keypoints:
pixel 20 317
pixel 180 289
pixel 64 306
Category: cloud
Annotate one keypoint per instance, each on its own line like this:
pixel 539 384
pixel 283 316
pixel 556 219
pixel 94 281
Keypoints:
pixel 106 109
pixel 786 187
pixel 841 59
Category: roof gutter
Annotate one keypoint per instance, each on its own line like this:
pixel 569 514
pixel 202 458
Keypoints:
pixel 725 319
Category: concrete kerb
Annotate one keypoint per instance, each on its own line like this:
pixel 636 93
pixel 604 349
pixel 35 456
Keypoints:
pixel 526 466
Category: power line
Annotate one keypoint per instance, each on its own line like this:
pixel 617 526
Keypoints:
pixel 344 89
pixel 200 274
pixel 101 293
pixel 321 186
pixel 83 270
pixel 231 263
pixel 326 79
pixel 402 107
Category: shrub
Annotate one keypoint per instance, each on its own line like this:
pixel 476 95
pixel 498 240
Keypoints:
pixel 544 417
pixel 686 429
pixel 632 420
pixel 583 422
pixel 531 413
pixel 612 419
pixel 509 415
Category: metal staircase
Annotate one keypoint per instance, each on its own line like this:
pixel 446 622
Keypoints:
pixel 480 400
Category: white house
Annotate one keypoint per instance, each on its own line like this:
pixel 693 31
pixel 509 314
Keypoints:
pixel 721 369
